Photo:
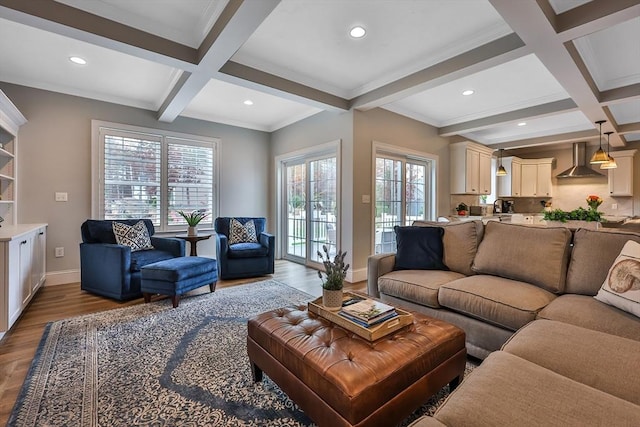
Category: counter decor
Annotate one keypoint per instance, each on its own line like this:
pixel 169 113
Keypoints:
pixel 577 218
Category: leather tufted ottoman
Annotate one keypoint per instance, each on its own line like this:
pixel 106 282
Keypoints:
pixel 340 379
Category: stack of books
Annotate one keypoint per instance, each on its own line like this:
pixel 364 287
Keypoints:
pixel 368 312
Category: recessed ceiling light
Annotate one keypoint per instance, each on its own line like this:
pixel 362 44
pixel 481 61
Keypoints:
pixel 248 102
pixel 78 60
pixel 468 92
pixel 357 32
pixel 522 124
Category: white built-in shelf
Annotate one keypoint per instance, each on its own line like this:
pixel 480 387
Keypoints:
pixel 6 178
pixel 5 153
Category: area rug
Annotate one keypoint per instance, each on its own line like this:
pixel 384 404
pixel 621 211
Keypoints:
pixel 152 365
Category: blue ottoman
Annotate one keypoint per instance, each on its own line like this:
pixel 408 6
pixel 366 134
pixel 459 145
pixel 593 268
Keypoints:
pixel 177 276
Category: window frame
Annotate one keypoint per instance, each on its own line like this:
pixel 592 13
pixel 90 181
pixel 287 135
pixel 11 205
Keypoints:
pixel 165 137
pixel 406 155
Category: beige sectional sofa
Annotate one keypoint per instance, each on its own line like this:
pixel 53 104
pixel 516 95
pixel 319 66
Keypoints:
pixel 573 359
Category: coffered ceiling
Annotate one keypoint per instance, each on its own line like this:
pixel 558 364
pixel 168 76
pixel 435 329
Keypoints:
pixel 556 65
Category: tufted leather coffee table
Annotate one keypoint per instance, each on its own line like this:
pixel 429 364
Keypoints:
pixel 340 379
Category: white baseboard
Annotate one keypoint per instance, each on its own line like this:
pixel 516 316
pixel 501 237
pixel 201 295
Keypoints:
pixel 354 276
pixel 62 277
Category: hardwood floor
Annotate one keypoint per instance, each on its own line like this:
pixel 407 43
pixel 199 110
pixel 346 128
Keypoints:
pixel 51 303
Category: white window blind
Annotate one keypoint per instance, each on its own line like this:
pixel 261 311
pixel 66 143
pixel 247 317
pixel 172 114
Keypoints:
pixel 153 176
pixel 131 177
pixel 190 179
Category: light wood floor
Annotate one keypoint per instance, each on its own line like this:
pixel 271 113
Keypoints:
pixel 51 303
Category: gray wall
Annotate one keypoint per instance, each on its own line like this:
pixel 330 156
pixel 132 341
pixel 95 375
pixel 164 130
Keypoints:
pixel 55 155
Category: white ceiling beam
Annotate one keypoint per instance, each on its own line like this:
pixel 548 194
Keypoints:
pixel 237 22
pixel 620 94
pixel 58 18
pixel 594 16
pixel 233 72
pixel 536 111
pixel 577 136
pixel 494 53
pixel 531 23
pixel 629 128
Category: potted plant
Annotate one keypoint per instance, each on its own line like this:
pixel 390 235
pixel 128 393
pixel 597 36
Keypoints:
pixel 333 281
pixel 193 219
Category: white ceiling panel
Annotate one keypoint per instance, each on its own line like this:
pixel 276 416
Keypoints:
pixel 42 61
pixel 627 112
pixel 560 6
pixel 224 103
pixel 632 137
pixel 613 67
pixel 185 21
pixel 307 41
pixel 534 128
pixel 518 84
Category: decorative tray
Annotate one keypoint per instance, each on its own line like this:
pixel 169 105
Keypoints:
pixel 371 333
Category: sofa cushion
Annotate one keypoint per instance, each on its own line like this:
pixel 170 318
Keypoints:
pixel 101 230
pixel 135 236
pixel 581 354
pixel 587 312
pixel 503 302
pixel 418 286
pixel 621 288
pixel 460 243
pixel 247 250
pixel 142 258
pixel 592 256
pixel 419 248
pixel 509 391
pixel 535 255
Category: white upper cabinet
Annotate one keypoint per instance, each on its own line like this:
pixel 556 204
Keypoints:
pixel 536 177
pixel 10 120
pixel 621 178
pixel 470 168
pixel 510 185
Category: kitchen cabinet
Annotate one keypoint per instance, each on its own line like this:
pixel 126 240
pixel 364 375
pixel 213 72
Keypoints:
pixel 536 177
pixel 22 269
pixel 470 168
pixel 621 178
pixel 510 185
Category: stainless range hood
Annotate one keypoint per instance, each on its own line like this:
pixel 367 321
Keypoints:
pixel 579 168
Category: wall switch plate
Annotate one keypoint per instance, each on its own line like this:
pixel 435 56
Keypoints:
pixel 61 197
pixel 59 252
pixel 614 206
pixel 366 198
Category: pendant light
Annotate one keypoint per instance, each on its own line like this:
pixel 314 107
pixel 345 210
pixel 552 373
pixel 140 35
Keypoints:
pixel 501 170
pixel 611 164
pixel 599 156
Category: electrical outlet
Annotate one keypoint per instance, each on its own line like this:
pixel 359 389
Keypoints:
pixel 59 252
pixel 614 206
pixel 61 197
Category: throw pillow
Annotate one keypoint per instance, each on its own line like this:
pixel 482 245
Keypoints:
pixel 135 236
pixel 239 233
pixel 621 288
pixel 419 248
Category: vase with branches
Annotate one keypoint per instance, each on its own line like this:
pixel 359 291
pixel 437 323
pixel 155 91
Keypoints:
pixel 333 280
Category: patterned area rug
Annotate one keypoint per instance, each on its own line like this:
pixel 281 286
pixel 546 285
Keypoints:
pixel 152 365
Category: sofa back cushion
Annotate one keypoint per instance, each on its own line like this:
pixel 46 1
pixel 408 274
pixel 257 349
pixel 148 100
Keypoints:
pixel 459 243
pixel 222 224
pixel 592 257
pixel 535 255
pixel 101 230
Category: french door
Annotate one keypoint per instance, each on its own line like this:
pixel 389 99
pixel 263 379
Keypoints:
pixel 310 207
pixel 403 194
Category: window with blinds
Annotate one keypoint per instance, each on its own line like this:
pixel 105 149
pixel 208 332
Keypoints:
pixel 153 176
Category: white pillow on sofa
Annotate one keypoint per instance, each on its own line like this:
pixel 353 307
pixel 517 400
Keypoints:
pixel 621 288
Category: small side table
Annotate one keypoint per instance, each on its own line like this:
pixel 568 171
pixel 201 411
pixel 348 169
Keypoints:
pixel 193 241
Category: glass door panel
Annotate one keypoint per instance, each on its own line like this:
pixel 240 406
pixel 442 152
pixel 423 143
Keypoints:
pixel 323 206
pixel 296 203
pixel 388 203
pixel 415 193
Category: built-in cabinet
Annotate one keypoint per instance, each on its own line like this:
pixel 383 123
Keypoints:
pixel 621 178
pixel 470 168
pixel 10 121
pixel 22 269
pixel 525 177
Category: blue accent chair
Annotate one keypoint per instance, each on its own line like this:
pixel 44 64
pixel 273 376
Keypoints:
pixel 244 259
pixel 112 270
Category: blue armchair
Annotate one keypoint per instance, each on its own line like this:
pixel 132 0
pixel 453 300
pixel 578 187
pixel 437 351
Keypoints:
pixel 247 259
pixel 113 270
